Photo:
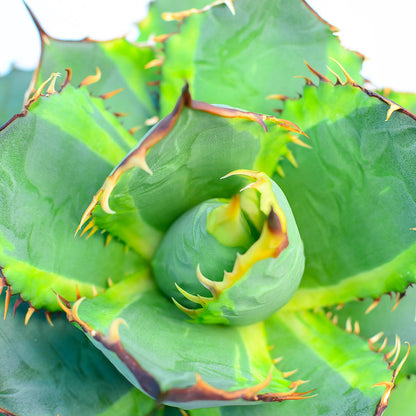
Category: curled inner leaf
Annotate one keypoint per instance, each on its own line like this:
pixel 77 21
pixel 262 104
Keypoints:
pixel 257 250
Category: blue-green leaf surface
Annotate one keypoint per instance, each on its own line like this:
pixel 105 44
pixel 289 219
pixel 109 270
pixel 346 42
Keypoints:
pixel 49 370
pixel 51 161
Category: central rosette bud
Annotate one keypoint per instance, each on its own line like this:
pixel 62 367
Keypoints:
pixel 232 261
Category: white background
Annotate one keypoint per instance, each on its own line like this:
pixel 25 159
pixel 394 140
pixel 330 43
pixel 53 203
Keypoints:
pixel 384 31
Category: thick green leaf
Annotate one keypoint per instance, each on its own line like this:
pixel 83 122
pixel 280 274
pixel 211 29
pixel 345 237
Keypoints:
pixel 229 358
pixel 240 60
pixel 51 162
pixel 13 87
pixel 54 370
pixel 121 65
pixel 256 294
pixel 187 164
pixel 337 364
pixel 353 196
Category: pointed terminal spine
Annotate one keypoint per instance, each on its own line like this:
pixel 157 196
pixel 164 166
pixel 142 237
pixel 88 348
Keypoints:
pixel 263 185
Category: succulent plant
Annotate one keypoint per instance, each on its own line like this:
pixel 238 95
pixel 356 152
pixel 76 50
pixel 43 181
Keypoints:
pixel 233 224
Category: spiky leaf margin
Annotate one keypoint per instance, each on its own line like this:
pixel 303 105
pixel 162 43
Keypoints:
pixel 352 194
pixel 54 370
pixel 117 64
pixel 240 60
pixel 51 163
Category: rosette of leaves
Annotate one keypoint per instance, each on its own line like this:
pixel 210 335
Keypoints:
pixel 160 223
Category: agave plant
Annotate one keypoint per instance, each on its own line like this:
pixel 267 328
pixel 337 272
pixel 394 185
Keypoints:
pixel 236 227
